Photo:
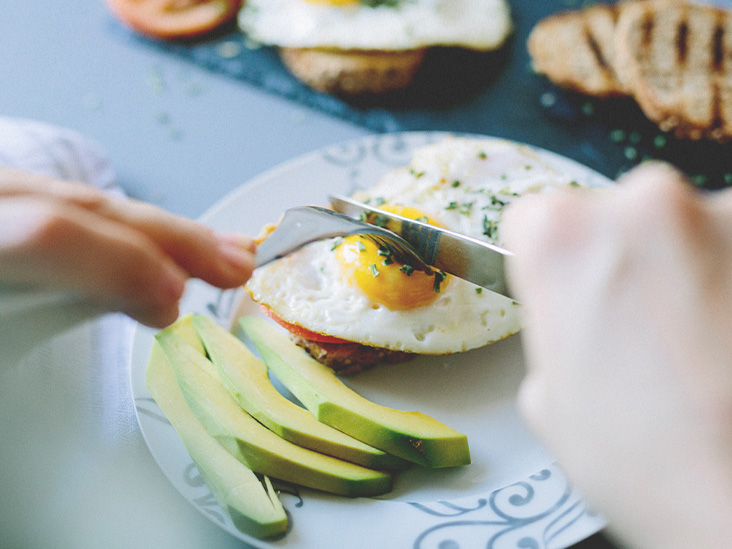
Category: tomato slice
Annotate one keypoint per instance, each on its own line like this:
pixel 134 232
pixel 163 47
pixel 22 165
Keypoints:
pixel 304 332
pixel 170 19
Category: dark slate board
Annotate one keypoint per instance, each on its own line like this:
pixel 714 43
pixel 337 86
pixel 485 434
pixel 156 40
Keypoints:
pixel 494 94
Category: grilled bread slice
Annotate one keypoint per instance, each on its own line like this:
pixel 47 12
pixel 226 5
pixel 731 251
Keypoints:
pixel 350 358
pixel 352 72
pixel 575 50
pixel 676 58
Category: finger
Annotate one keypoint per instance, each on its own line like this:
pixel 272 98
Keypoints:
pixel 64 246
pixel 222 260
pixel 531 401
pixel 538 229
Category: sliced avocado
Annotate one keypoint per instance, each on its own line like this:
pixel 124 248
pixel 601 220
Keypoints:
pixel 247 380
pixel 252 506
pixel 410 435
pixel 251 442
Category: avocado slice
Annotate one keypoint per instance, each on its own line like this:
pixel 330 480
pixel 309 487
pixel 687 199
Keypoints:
pixel 252 505
pixel 409 435
pixel 247 380
pixel 251 442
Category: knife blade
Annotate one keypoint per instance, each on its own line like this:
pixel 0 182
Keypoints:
pixel 466 257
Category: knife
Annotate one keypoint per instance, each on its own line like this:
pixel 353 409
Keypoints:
pixel 463 256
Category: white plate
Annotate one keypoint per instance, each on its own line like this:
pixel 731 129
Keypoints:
pixel 512 495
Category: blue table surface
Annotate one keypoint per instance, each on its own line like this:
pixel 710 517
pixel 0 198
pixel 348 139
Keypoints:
pixel 178 135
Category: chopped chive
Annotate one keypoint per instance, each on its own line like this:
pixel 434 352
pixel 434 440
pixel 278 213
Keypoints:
pixel 337 242
pixel 423 219
pixel 700 179
pixel 374 270
pixel 495 201
pixel 387 261
pixel 456 183
pixel 361 247
pixel 490 228
pixel 452 206
pixel 380 220
pixel 407 269
pixel 465 208
pixel 482 155
pixel 617 136
pixel 439 277
pixel 548 99
pixel 479 290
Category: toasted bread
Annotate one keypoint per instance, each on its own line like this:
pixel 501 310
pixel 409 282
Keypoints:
pixel 352 72
pixel 676 58
pixel 575 50
pixel 350 358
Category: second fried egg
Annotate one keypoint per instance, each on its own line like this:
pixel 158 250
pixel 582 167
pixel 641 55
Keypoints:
pixel 393 25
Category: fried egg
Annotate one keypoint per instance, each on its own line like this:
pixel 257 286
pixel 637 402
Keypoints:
pixel 348 289
pixel 377 24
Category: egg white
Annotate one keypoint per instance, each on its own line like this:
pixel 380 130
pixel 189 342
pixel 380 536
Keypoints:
pixel 308 288
pixel 411 24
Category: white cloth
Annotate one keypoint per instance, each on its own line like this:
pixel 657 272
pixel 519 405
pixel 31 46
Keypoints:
pixel 74 469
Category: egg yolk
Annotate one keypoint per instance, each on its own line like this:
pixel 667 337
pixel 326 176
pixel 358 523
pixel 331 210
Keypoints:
pixel 383 280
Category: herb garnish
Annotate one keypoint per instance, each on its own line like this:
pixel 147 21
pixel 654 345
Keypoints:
pixel 439 277
pixel 337 242
pixel 490 228
pixel 465 208
pixel 377 3
pixel 387 256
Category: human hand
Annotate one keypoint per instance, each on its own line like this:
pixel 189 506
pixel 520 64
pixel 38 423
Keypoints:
pixel 124 255
pixel 627 300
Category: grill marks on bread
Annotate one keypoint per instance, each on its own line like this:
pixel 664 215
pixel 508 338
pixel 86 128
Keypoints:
pixel 575 50
pixel 675 58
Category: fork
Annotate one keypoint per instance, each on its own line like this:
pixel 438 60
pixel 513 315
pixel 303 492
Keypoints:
pixel 305 224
